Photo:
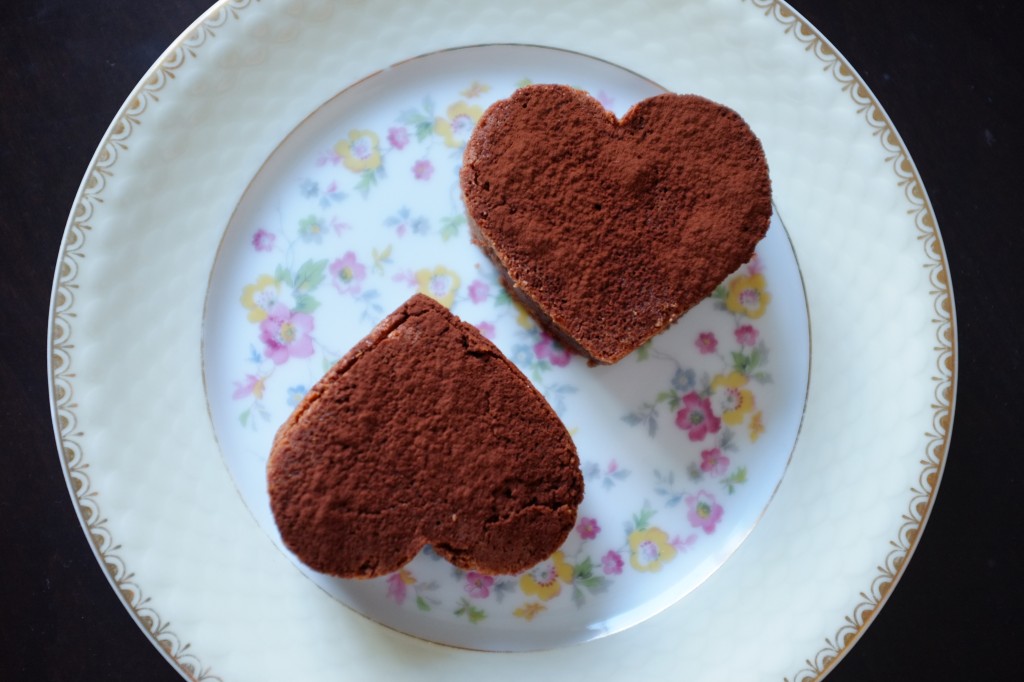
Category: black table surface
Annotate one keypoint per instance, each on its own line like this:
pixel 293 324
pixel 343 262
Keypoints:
pixel 945 73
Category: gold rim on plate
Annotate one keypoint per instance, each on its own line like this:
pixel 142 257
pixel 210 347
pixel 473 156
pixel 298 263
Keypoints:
pixel 190 44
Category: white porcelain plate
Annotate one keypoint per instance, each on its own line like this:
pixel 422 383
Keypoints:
pixel 682 443
pixel 286 175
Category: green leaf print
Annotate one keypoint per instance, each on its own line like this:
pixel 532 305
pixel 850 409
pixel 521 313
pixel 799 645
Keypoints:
pixel 422 604
pixel 309 276
pixel 583 575
pixel 633 419
pixel 423 130
pixel 740 362
pixel 422 122
pixel 583 569
pixel 693 472
pixel 727 440
pixel 381 258
pixel 283 275
pixel 304 303
pixel 734 479
pixel 643 519
pixel 474 614
pixel 450 226
pixel 595 584
pixel 577 596
pixel 367 179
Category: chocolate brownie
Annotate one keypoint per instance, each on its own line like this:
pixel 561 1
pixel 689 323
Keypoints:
pixel 608 230
pixel 424 433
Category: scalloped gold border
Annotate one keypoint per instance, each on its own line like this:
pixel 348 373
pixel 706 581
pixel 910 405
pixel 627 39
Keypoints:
pixel 62 377
pixel 923 495
pixel 186 47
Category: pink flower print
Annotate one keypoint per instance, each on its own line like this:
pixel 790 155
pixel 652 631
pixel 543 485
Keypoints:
pixel 682 545
pixel 339 226
pixel 549 349
pixel 478 585
pixel 611 563
pixel 330 156
pixel 253 386
pixel 285 334
pixel 703 512
pixel 397 587
pixel 487 329
pixel 588 528
pixel 422 169
pixel 755 266
pixel 746 335
pixel 713 462
pixel 613 466
pixel 347 273
pixel 478 291
pixel 398 137
pixel 696 417
pixel 263 240
pixel 707 343
pixel 606 100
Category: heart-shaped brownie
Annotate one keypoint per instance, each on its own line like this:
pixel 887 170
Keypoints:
pixel 608 230
pixel 424 433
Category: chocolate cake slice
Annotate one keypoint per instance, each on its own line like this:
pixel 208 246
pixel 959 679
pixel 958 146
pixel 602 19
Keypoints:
pixel 424 433
pixel 608 230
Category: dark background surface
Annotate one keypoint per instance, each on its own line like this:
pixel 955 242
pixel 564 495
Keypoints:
pixel 945 73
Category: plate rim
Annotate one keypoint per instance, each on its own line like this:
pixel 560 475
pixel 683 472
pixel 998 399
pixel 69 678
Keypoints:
pixel 835 648
pixel 183 50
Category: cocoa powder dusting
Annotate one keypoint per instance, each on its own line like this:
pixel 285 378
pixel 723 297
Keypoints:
pixel 424 433
pixel 610 230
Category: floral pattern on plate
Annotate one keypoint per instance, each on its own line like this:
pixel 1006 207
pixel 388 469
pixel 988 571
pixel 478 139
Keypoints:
pixel 671 439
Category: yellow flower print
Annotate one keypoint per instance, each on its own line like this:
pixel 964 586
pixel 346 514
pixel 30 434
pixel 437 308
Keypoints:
pixel 756 426
pixel 737 401
pixel 475 89
pixel 455 128
pixel 260 297
pixel 259 388
pixel 649 549
pixel 360 152
pixel 747 296
pixel 528 610
pixel 543 581
pixel 398 584
pixel 439 284
pixel 523 318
